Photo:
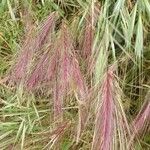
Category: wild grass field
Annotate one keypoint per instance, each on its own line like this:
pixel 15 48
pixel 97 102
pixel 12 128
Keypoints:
pixel 74 74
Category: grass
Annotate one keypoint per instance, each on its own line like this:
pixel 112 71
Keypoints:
pixel 74 74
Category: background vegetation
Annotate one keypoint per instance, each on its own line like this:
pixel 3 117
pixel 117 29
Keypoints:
pixel 74 74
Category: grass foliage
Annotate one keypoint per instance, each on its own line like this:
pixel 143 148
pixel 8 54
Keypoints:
pixel 74 74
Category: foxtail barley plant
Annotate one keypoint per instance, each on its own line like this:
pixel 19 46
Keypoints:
pixel 75 75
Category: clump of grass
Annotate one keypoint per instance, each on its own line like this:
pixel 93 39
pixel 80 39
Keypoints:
pixel 60 92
